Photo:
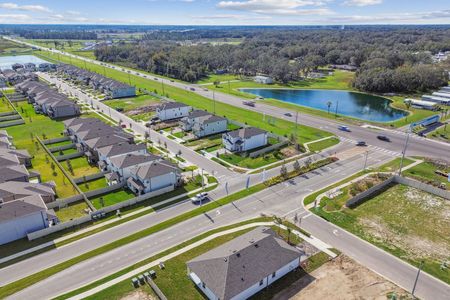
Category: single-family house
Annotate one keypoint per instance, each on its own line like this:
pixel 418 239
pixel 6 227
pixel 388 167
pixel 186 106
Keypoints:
pixel 154 176
pixel 17 66
pixel 12 190
pixel 172 110
pixel 106 153
pixel 30 67
pixel 187 122
pixel 244 139
pixel 45 67
pixel 121 165
pixel 91 146
pixel 22 156
pixel 3 82
pixel 243 266
pixel 208 125
pixel 14 173
pixel 23 216
pixel 263 79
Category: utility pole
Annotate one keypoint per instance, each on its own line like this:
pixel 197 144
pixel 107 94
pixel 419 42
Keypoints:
pixel 417 278
pixel 162 85
pixel 296 120
pixel 337 105
pixel 214 102
pixel 404 152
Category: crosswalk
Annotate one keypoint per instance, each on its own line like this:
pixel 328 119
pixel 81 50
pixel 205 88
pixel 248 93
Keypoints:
pixel 372 147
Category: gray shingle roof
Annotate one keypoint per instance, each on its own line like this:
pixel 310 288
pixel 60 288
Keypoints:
pixel 171 105
pixel 10 173
pixel 121 148
pixel 23 189
pixel 21 207
pixel 210 119
pixel 242 262
pixel 154 169
pixel 198 113
pixel 246 132
pixel 128 160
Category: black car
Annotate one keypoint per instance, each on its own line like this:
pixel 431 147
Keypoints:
pixel 361 143
pixel 383 138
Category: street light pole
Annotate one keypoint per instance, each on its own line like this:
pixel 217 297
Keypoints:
pixel 214 102
pixel 365 161
pixel 404 152
pixel 417 278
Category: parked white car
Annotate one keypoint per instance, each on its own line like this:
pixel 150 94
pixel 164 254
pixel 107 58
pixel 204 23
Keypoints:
pixel 199 197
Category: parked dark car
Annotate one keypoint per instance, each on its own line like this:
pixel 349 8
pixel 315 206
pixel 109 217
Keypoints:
pixel 383 138
pixel 119 109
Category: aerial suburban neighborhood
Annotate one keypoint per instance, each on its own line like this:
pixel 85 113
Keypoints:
pixel 270 150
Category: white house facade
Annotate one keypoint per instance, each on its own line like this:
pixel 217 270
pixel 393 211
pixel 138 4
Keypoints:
pixel 172 110
pixel 263 79
pixel 244 139
pixel 209 125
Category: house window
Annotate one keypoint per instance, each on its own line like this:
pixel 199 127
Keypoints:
pixel 274 274
pixel 261 282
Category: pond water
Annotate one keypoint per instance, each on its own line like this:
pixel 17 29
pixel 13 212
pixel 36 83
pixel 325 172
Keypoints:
pixel 7 61
pixel 357 105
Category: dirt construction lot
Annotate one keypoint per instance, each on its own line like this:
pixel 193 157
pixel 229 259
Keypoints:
pixel 342 278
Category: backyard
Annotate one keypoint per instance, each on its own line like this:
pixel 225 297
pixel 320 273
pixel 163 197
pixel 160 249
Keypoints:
pixel 414 227
pixel 138 107
pixel 23 137
pixel 79 167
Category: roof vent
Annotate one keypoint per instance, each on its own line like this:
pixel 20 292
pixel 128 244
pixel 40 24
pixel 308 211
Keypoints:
pixel 256 245
pixel 242 278
pixel 238 255
pixel 225 259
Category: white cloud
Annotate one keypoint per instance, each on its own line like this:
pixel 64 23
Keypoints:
pixel 32 8
pixel 362 2
pixel 278 7
pixel 438 17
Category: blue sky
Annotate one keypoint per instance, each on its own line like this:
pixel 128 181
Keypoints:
pixel 225 12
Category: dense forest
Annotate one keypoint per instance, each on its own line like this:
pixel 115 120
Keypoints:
pixel 388 59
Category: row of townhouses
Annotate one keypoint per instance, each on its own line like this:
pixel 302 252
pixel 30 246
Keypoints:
pixel 23 197
pixel 13 77
pixel 31 67
pixel 203 123
pixel 110 87
pixel 116 153
pixel 47 100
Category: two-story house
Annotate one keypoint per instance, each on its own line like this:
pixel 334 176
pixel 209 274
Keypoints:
pixel 208 125
pixel 244 139
pixel 154 176
pixel 172 110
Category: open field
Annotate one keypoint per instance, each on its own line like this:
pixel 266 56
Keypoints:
pixel 40 125
pixel 277 126
pixel 136 107
pixel 72 46
pixel 415 227
pixel 341 278
pixel 9 48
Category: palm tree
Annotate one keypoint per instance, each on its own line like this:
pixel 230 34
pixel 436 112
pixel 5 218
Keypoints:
pixel 328 106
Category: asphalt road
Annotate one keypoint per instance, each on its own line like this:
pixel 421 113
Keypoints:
pixel 55 256
pixel 280 200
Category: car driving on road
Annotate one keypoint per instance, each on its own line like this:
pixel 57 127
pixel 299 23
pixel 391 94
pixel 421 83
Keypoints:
pixel 199 197
pixel 344 128
pixel 383 138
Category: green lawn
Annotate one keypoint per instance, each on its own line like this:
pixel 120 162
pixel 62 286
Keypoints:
pixel 252 163
pixel 93 185
pixel 223 79
pixel 414 227
pixel 128 104
pixel 112 198
pixel 80 167
pixel 71 212
pixel 4 105
pixel 22 136
pixel 277 126
pixel 319 146
pixel 425 172
pixel 206 142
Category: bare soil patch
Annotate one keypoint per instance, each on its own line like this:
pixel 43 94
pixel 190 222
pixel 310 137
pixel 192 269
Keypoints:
pixel 342 278
pixel 138 295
